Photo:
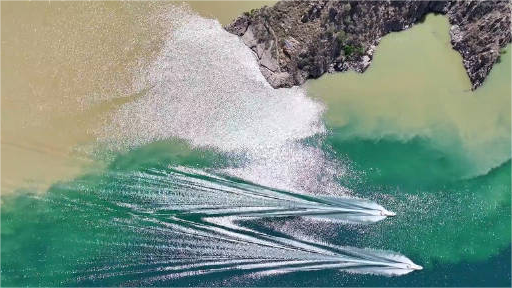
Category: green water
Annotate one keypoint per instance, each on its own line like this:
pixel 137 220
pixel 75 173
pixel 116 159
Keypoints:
pixel 409 132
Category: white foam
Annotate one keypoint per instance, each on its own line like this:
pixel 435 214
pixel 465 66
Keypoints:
pixel 205 86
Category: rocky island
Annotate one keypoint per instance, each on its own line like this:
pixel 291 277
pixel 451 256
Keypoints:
pixel 297 40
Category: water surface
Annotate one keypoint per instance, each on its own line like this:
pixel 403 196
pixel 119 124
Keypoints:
pixel 209 178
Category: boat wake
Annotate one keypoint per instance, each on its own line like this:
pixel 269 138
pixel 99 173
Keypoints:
pixel 181 222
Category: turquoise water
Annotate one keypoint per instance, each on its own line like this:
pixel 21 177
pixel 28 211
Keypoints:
pixel 253 195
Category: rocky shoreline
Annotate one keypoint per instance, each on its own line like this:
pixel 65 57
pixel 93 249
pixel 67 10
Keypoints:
pixel 298 40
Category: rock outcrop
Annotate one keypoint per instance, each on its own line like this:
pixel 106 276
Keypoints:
pixel 297 40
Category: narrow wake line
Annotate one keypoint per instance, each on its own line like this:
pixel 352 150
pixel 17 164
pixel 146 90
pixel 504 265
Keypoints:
pixel 193 192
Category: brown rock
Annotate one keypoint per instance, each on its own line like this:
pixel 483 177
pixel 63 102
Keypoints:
pixel 297 40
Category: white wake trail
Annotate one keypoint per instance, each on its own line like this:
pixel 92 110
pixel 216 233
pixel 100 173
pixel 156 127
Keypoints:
pixel 182 222
pixel 191 192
